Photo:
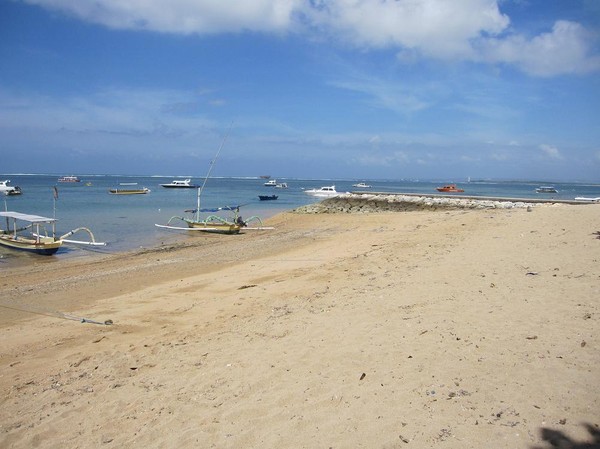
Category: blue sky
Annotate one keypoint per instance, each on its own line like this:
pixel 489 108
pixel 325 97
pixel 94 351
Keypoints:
pixel 368 89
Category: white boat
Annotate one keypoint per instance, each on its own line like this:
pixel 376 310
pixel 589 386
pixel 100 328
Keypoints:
pixel 546 189
pixel 323 192
pixel 180 184
pixel 40 239
pixel 362 185
pixel 69 179
pixel 9 190
pixel 588 199
pixel 282 185
pixel 271 183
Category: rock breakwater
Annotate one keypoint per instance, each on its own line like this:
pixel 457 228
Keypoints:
pixel 352 203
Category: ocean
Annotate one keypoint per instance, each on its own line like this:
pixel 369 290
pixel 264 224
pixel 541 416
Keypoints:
pixel 126 222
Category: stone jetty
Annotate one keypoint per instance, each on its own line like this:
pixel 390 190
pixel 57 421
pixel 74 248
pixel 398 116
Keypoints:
pixel 351 203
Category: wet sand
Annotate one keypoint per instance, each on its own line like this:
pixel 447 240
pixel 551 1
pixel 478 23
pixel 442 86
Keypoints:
pixel 450 329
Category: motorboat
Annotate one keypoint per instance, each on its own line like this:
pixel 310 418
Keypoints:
pixel 449 188
pixel 281 185
pixel 267 197
pixel 546 189
pixel 588 199
pixel 271 183
pixel 323 192
pixel 69 179
pixel 362 185
pixel 180 184
pixel 6 189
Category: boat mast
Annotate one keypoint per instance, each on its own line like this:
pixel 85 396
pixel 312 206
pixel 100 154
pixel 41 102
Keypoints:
pixel 212 164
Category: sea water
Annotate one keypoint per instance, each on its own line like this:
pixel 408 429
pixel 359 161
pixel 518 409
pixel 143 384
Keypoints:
pixel 126 222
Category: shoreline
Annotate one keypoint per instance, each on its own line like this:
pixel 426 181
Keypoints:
pixel 439 327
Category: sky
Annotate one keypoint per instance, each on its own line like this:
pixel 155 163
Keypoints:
pixel 315 89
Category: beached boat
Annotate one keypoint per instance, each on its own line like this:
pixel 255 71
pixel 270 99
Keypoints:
pixel 267 197
pixel 214 224
pixel 323 192
pixel 6 189
pixel 180 184
pixel 271 183
pixel 69 179
pixel 546 189
pixel 450 188
pixel 588 199
pixel 362 185
pixel 129 191
pixel 40 239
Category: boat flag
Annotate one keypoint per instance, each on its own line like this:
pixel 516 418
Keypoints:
pixel 55 193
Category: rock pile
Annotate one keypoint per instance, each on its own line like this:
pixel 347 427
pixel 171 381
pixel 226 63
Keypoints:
pixel 353 203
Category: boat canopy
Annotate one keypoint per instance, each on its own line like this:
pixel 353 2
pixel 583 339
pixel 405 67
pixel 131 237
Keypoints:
pixel 27 217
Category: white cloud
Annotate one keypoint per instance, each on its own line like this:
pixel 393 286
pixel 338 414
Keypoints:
pixel 471 30
pixel 564 50
pixel 437 28
pixel 109 111
pixel 181 16
pixel 550 151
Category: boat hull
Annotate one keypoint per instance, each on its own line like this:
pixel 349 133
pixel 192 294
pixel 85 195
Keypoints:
pixel 46 246
pixel 214 227
pixel 128 191
pixel 267 197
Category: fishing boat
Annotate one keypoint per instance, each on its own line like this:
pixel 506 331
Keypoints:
pixel 362 185
pixel 69 179
pixel 129 191
pixel 6 189
pixel 449 188
pixel 180 184
pixel 214 224
pixel 40 239
pixel 546 189
pixel 271 183
pixel 267 197
pixel 323 192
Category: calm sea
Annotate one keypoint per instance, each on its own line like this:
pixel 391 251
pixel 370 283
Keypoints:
pixel 126 222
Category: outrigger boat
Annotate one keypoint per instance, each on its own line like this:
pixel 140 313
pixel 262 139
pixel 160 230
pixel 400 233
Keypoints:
pixel 36 242
pixel 212 223
pixel 129 191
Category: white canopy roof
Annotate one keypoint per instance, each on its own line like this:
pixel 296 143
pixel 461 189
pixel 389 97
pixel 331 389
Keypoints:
pixel 27 217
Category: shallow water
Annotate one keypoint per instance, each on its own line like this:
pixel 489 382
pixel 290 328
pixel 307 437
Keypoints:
pixel 126 222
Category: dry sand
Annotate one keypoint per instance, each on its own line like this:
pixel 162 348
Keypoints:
pixel 449 329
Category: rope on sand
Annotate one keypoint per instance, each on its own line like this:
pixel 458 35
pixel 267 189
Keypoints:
pixel 57 314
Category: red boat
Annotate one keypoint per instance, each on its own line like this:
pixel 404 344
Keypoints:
pixel 449 188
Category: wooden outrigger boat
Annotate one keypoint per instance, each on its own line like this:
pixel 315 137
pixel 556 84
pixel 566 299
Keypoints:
pixel 213 223
pixel 40 240
pixel 129 191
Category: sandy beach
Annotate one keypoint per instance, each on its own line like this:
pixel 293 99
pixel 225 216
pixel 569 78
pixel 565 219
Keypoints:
pixel 447 329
